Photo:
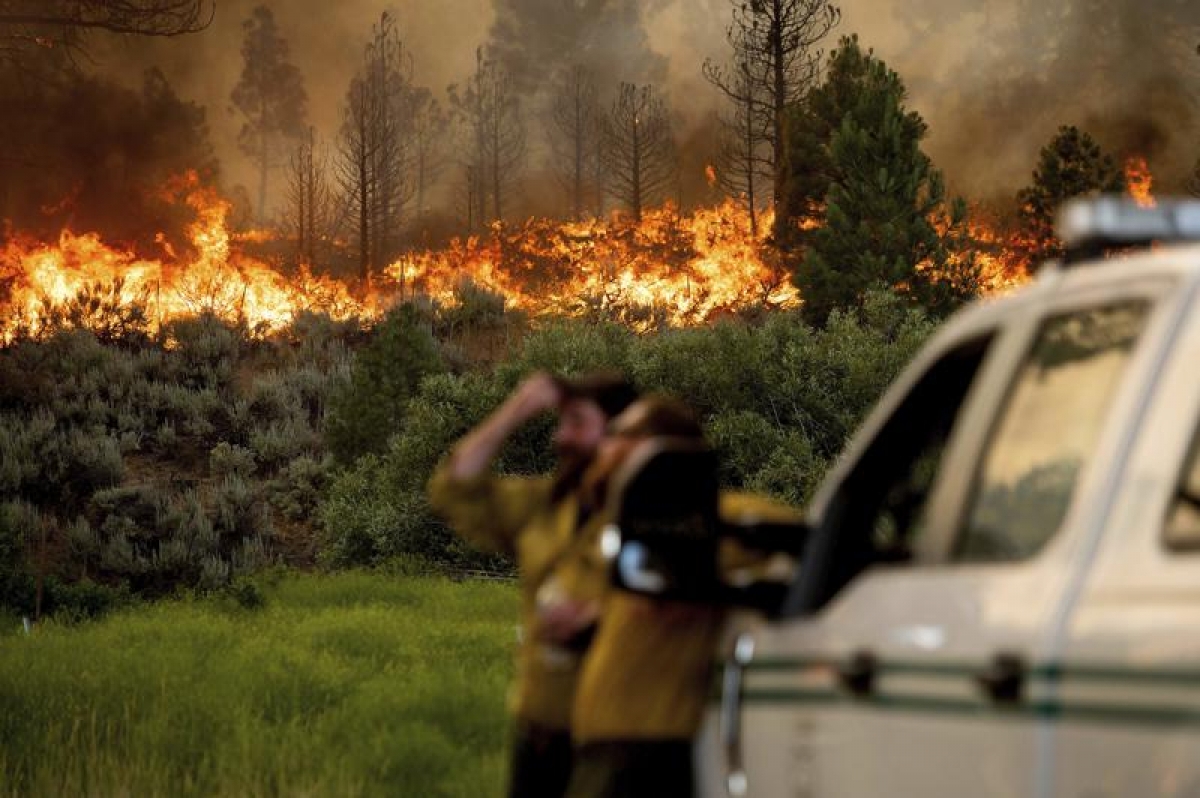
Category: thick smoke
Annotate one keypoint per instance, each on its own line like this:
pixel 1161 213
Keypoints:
pixel 994 78
pixel 85 153
pixel 540 39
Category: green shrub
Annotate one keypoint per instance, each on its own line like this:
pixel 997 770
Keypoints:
pixel 19 524
pixel 226 459
pixel 80 462
pixel 142 505
pixel 571 348
pixel 297 489
pixel 204 350
pixel 282 441
pixel 236 510
pixel 246 594
pixel 368 408
pixel 83 600
pixel 23 442
pixel 475 308
pixel 366 520
pixel 83 541
pixel 166 438
pixel 272 398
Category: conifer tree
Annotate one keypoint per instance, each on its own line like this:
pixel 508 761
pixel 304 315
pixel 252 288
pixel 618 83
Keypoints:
pixel 883 196
pixel 1070 165
pixel 805 170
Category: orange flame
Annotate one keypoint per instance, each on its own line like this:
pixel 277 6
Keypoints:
pixel 669 269
pixel 41 277
pixel 679 269
pixel 1139 181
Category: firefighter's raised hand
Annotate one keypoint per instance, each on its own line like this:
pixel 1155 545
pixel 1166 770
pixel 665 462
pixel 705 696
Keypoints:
pixel 537 393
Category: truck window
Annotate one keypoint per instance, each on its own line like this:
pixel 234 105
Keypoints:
pixel 1047 431
pixel 877 515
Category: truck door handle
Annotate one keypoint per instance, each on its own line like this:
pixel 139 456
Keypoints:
pixel 858 673
pixel 733 684
pixel 1004 679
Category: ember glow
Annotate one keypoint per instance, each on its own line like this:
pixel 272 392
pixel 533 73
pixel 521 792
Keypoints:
pixel 1139 181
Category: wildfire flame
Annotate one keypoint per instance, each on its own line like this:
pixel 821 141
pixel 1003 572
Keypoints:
pixel 684 269
pixel 1139 181
pixel 671 268
pixel 44 277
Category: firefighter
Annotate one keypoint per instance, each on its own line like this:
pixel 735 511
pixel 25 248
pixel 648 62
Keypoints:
pixel 545 525
pixel 646 677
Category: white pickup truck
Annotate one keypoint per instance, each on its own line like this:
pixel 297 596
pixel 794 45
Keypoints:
pixel 1000 590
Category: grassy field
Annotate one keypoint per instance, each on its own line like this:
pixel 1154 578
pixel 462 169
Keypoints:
pixel 350 684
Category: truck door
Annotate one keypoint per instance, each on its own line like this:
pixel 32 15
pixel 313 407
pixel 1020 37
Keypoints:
pixel 942 549
pixel 1126 700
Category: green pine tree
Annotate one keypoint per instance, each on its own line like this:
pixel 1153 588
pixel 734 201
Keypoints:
pixel 882 197
pixel 1071 165
pixel 805 161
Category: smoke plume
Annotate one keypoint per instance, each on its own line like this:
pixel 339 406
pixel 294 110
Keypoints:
pixel 993 78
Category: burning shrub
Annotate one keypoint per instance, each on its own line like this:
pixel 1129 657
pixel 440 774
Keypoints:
pixel 103 309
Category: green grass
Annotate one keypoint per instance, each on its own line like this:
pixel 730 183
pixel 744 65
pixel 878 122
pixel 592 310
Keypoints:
pixel 350 684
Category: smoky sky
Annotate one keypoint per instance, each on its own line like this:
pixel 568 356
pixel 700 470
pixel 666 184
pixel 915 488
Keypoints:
pixel 993 78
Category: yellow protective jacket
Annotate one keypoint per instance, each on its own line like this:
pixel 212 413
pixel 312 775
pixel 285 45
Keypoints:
pixel 515 516
pixel 648 672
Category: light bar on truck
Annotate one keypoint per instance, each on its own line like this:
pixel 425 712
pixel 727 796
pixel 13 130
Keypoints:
pixel 1092 225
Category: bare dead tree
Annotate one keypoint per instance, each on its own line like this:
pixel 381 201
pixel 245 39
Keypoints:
pixel 142 17
pixel 775 46
pixel 489 113
pixel 308 198
pixel 744 165
pixel 269 96
pixel 29 26
pixel 639 148
pixel 374 148
pixel 429 124
pixel 574 133
pixel 467 195
pixel 353 169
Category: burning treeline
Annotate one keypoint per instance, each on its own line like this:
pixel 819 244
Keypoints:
pixel 671 268
pixel 342 234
